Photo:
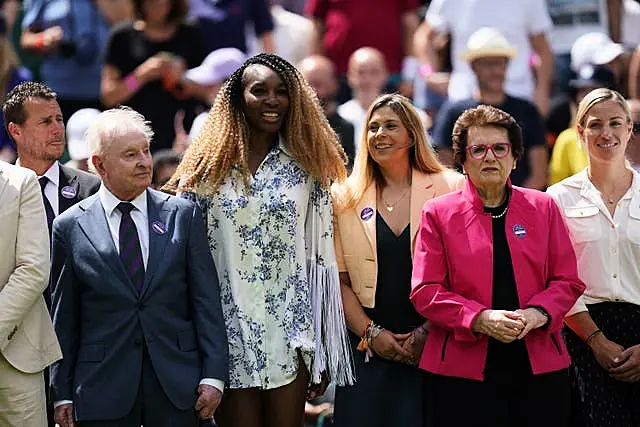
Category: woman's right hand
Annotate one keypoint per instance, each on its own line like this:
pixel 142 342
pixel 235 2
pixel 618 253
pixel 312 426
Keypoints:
pixel 505 326
pixel 605 351
pixel 389 346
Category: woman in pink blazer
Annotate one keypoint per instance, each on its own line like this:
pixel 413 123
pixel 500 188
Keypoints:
pixel 495 273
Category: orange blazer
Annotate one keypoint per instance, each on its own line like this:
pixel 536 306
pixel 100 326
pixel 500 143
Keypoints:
pixel 355 229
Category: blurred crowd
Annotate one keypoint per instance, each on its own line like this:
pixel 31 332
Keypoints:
pixel 168 59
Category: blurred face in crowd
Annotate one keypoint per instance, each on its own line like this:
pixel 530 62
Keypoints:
pixel 163 175
pixel 488 169
pixel 605 131
pixel 156 11
pixel 491 73
pixel 319 73
pixel 367 71
pixel 125 165
pixel 388 139
pixel 41 136
pixel 266 99
pixel 633 150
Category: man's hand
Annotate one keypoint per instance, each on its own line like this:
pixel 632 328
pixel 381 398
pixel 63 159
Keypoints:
pixel 628 368
pixel 64 415
pixel 208 401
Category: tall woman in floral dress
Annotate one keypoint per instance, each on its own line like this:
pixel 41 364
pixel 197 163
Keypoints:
pixel 261 169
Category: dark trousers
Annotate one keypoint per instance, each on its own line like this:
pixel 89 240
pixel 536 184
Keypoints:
pixel 506 400
pixel 152 406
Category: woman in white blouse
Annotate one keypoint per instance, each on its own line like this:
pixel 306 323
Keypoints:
pixel 601 205
pixel 261 168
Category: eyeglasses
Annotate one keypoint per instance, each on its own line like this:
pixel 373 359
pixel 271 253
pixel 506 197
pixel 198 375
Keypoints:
pixel 479 151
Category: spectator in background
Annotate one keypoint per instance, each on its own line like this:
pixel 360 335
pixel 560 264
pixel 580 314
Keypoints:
pixel 70 37
pixel 145 64
pixel 11 75
pixel 291 34
pixel 367 78
pixel 598 49
pixel 489 55
pixel 633 151
pixel 210 75
pixel 524 23
pixel 224 22
pixel 77 126
pixel 572 19
pixel 342 27
pixel 320 73
pixel 569 156
pixel 165 163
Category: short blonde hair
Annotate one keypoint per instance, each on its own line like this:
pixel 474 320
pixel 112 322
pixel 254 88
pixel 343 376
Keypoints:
pixel 421 157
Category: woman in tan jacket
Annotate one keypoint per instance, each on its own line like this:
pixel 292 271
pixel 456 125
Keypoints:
pixel 377 214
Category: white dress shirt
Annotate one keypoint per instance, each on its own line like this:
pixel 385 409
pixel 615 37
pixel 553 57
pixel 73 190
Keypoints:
pixel 138 215
pixel 140 218
pixel 51 189
pixel 607 247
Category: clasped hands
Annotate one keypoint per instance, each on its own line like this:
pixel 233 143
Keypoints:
pixel 403 348
pixel 507 326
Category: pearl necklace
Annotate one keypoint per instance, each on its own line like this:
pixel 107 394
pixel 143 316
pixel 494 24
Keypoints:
pixel 502 214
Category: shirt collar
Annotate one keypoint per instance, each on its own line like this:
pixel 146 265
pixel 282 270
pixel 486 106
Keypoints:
pixel 111 202
pixel 53 173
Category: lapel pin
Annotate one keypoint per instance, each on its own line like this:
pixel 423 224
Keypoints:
pixel 68 192
pixel 158 227
pixel 519 231
pixel 366 214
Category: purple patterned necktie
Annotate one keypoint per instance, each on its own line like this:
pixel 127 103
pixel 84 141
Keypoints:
pixel 130 252
pixel 43 180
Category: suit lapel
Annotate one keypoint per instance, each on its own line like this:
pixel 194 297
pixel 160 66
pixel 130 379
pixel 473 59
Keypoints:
pixel 67 179
pixel 422 189
pixel 366 211
pixel 160 222
pixel 94 225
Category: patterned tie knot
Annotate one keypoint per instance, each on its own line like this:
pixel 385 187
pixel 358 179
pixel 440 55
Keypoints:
pixel 125 207
pixel 43 180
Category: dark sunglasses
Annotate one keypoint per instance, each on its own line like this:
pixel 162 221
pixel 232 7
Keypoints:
pixel 636 127
pixel 479 151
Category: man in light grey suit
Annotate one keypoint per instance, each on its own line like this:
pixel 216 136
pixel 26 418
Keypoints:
pixel 136 302
pixel 27 341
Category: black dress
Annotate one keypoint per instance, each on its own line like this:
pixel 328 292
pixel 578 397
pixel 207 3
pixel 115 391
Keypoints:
pixel 387 393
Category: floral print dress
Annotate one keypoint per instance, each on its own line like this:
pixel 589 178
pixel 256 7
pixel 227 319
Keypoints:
pixel 263 247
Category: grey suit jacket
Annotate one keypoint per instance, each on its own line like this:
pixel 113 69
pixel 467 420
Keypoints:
pixel 104 325
pixel 27 339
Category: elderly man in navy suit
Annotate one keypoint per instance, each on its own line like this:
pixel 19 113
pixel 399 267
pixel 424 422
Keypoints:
pixel 136 301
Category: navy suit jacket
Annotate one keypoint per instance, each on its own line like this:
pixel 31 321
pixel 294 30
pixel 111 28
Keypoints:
pixel 103 325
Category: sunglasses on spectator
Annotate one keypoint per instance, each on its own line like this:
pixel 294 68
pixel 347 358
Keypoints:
pixel 636 127
pixel 479 151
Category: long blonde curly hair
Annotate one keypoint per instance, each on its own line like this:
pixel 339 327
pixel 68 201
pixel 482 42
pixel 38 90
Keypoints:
pixel 223 141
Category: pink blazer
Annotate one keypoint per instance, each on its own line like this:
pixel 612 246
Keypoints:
pixel 453 273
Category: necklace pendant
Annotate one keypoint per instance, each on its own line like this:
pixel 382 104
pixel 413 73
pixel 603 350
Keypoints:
pixel 389 208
